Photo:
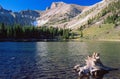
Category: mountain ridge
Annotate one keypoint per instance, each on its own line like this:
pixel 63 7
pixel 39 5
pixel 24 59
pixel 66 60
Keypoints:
pixel 29 17
pixel 94 13
pixel 59 11
pixel 59 14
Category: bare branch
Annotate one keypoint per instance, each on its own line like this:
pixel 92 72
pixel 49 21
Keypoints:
pixel 93 67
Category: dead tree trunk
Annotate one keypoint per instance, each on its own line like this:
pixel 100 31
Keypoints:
pixel 93 68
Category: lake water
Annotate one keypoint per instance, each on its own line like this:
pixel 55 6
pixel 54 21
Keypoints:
pixel 53 60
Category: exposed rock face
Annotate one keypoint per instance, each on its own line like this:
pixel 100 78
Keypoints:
pixel 57 13
pixel 72 16
pixel 26 17
pixel 6 16
pixel 57 4
pixel 89 13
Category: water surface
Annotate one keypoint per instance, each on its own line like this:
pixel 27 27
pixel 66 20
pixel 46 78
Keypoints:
pixel 53 60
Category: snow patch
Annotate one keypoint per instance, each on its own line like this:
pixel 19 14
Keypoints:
pixel 40 22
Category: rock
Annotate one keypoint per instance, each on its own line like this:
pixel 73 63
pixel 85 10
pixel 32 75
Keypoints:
pixel 56 4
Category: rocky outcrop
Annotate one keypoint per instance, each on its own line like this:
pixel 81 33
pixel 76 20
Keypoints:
pixel 57 4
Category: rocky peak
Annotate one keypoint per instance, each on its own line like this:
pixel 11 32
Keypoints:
pixel 57 4
pixel 59 12
pixel 106 0
pixel 47 8
pixel 34 13
pixel 4 10
pixel 1 7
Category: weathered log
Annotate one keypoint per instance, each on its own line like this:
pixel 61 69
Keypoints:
pixel 93 68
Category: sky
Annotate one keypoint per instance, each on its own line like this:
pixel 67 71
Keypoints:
pixel 18 5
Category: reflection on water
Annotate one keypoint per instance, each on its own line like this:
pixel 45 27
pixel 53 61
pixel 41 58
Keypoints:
pixel 53 60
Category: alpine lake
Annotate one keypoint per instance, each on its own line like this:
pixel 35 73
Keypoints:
pixel 54 60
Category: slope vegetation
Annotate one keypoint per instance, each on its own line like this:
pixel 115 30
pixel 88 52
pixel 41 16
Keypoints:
pixel 105 25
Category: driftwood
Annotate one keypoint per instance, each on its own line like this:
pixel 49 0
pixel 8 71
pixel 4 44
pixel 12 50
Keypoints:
pixel 93 68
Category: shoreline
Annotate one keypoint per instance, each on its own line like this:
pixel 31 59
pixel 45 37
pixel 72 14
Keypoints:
pixel 84 40
pixel 27 40
pixel 115 40
pixel 57 40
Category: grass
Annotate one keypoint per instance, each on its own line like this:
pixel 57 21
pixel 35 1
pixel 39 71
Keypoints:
pixel 99 32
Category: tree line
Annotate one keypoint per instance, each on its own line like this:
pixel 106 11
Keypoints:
pixel 31 32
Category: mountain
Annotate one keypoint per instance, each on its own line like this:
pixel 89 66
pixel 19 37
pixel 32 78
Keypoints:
pixel 26 17
pixel 57 13
pixel 75 16
pixel 62 15
pixel 100 22
pixel 95 14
